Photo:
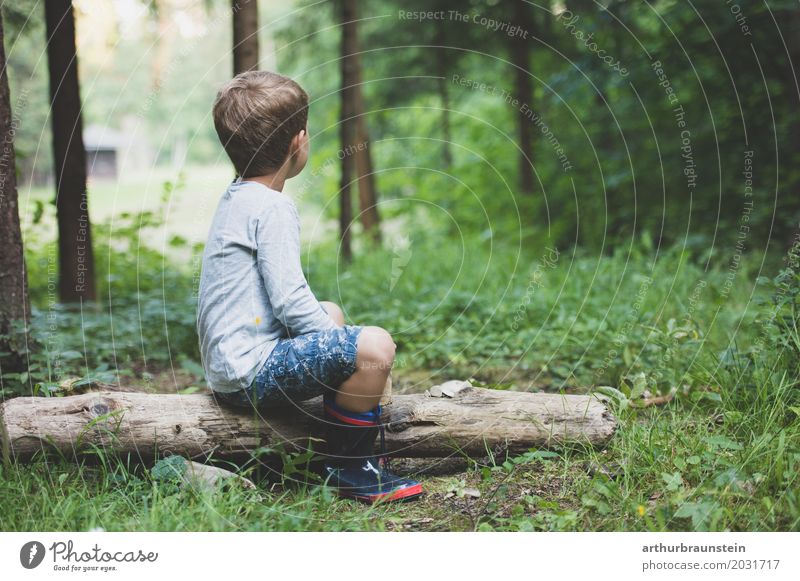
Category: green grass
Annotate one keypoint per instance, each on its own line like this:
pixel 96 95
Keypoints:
pixel 723 454
pixel 66 497
pixel 684 467
pixel 134 192
pixel 186 205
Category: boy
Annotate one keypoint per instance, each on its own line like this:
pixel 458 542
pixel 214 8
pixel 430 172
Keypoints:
pixel 265 340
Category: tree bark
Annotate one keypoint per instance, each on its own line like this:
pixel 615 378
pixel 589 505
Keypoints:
pixel 789 179
pixel 14 306
pixel 347 137
pixel 520 58
pixel 357 144
pixel 444 65
pixel 346 204
pixel 368 200
pixel 163 44
pixel 245 36
pixel 195 426
pixel 447 134
pixel 76 257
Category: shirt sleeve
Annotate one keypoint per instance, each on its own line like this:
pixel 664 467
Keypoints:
pixel 278 254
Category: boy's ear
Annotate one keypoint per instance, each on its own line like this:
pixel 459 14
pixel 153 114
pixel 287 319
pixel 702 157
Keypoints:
pixel 297 139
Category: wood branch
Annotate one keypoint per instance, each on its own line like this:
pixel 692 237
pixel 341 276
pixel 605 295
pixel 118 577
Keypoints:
pixel 197 426
pixel 648 400
pixel 651 401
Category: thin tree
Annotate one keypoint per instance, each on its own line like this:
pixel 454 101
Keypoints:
pixel 520 58
pixel 790 179
pixel 76 258
pixel 14 306
pixel 245 36
pixel 163 41
pixel 443 65
pixel 346 135
pixel 430 50
pixel 355 139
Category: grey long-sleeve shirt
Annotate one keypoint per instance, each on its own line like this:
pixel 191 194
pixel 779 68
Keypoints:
pixel 252 287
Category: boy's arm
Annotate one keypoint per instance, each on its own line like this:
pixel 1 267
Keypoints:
pixel 293 303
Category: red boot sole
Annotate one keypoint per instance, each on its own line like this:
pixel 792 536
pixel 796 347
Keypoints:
pixel 403 494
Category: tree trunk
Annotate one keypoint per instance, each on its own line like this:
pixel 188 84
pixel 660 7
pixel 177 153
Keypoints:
pixel 472 421
pixel 245 36
pixel 790 152
pixel 444 66
pixel 163 44
pixel 523 90
pixel 447 134
pixel 346 203
pixel 357 144
pixel 368 201
pixel 76 258
pixel 14 306
pixel 347 136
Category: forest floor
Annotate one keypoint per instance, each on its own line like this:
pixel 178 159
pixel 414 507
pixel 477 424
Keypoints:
pixel 692 475
pixel 722 454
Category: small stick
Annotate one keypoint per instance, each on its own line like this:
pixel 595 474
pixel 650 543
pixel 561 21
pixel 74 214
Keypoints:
pixel 386 398
pixel 658 400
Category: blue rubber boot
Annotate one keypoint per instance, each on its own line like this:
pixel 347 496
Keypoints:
pixel 351 465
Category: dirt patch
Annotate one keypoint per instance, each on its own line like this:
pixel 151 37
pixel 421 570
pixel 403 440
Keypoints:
pixel 404 381
pixel 165 380
pixel 450 502
pixel 507 378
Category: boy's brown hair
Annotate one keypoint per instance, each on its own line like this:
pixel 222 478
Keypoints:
pixel 256 115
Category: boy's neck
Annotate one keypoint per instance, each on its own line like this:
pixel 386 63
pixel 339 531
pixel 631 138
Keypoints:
pixel 274 181
pixel 277 179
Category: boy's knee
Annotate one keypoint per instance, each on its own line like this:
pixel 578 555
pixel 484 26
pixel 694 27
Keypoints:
pixel 378 347
pixel 335 311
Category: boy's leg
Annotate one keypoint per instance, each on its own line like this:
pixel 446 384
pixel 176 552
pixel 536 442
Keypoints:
pixel 352 415
pixel 335 311
pixel 363 390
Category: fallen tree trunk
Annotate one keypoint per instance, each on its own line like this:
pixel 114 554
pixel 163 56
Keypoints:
pixel 472 420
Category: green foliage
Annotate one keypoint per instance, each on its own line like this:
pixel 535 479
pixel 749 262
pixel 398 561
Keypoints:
pixel 117 497
pixel 723 454
pixel 147 316
pixel 620 133
pixel 169 469
pixel 614 277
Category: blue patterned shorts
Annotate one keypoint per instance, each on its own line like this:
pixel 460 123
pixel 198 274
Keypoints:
pixel 300 368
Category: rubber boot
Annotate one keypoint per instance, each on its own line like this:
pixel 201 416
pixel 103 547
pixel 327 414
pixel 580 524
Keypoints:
pixel 351 465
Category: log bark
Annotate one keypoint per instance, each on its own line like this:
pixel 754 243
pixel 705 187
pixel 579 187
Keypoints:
pixel 196 426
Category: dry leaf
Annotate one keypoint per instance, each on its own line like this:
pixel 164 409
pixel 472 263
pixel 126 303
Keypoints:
pixel 453 387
